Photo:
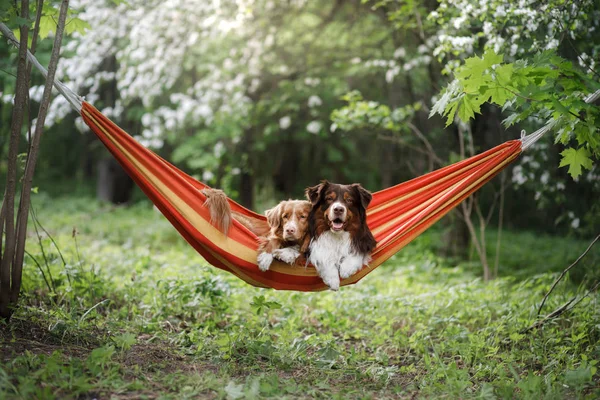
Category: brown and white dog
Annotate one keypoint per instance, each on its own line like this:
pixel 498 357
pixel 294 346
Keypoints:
pixel 283 236
pixel 341 242
pixel 288 237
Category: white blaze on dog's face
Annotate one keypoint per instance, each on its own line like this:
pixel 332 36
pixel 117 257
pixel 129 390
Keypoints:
pixel 289 219
pixel 337 215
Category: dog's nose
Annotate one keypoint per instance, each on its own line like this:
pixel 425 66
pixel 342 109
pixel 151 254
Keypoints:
pixel 338 209
pixel 291 231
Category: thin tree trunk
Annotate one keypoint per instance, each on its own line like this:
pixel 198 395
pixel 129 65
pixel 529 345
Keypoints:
pixel 11 176
pixel 33 155
pixel 247 176
pixel 470 203
pixel 500 221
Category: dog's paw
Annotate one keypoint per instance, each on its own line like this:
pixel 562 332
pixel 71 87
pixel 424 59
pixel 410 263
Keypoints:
pixel 287 255
pixel 333 282
pixel 349 267
pixel 264 261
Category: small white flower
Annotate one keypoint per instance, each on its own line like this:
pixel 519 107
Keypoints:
pixel 400 52
pixel 285 122
pixel 313 127
pixel 500 12
pixel 312 81
pixel 235 171
pixel 207 176
pixel 487 27
pixel 389 76
pixel 552 44
pixel 219 149
pixel 314 101
pixel 575 223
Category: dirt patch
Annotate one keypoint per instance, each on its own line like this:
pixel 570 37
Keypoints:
pixel 20 336
pixel 153 357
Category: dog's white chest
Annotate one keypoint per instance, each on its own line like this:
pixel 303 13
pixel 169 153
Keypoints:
pixel 334 257
pixel 332 245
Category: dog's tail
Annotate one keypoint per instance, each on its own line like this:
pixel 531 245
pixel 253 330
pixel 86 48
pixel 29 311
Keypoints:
pixel 218 206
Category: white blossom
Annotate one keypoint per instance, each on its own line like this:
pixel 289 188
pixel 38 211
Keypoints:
pixel 207 176
pixel 285 122
pixel 314 127
pixel 575 223
pixel 314 101
pixel 552 44
pixel 400 52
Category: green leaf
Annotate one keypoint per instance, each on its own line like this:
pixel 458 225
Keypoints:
pixel 47 25
pixel 476 66
pixel 511 119
pixel 576 159
pixel 499 95
pixel 76 25
pixel 451 112
pixel 468 108
pixel 504 74
pixel 234 391
pixel 125 340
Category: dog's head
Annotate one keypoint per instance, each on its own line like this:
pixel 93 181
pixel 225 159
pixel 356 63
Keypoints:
pixel 289 220
pixel 341 208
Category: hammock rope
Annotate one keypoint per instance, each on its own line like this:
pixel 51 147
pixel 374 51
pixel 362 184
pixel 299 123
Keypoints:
pixel 396 215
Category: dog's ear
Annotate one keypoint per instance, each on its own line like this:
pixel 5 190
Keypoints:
pixel 313 194
pixel 274 216
pixel 364 195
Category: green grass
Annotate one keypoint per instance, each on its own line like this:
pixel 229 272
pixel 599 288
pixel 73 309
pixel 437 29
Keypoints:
pixel 136 313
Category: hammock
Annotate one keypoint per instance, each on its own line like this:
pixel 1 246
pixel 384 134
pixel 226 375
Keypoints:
pixel 395 216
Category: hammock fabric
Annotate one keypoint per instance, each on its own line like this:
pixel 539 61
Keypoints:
pixel 395 216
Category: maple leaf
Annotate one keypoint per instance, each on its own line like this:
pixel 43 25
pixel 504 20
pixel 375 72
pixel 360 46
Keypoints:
pixel 576 159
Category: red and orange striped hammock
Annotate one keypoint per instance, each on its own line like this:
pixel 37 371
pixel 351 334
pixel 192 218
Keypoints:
pixel 395 216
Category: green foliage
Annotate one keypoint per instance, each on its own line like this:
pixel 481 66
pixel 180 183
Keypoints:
pixel 547 87
pixel 175 327
pixel 259 303
pixel 49 17
pixel 361 114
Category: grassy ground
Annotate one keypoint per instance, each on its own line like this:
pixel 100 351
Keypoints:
pixel 133 312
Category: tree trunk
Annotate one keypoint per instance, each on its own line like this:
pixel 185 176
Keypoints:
pixel 11 264
pixel 247 176
pixel 8 204
pixel 113 184
pixel 456 237
pixel 247 190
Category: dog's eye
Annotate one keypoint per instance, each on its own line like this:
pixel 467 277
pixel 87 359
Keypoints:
pixel 303 217
pixel 349 201
pixel 285 216
pixel 329 198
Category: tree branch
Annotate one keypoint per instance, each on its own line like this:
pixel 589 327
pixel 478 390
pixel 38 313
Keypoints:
pixel 565 307
pixel 565 272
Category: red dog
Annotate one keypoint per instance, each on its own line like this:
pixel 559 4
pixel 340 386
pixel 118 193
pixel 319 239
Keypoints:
pixel 288 237
pixel 284 236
